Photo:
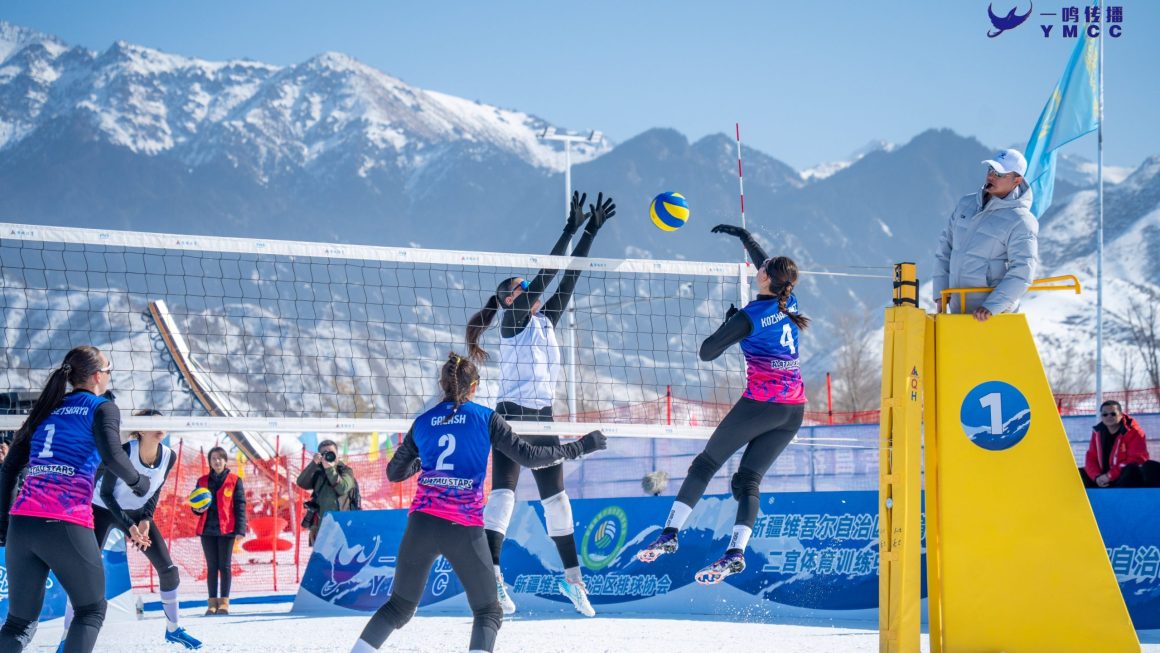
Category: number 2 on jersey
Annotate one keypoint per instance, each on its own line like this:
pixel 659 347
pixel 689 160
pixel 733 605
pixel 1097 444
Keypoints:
pixel 445 440
pixel 787 338
pixel 49 431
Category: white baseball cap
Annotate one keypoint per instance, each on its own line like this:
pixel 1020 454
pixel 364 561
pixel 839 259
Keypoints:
pixel 1010 160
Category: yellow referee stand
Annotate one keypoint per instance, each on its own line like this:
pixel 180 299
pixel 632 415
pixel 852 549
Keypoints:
pixel 1015 561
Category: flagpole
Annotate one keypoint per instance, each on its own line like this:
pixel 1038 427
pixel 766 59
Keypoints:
pixel 1100 230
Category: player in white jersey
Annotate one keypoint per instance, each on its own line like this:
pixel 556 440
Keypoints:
pixel 529 362
pixel 116 506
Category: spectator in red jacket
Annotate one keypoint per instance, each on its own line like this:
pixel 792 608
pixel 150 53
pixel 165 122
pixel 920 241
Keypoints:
pixel 1118 454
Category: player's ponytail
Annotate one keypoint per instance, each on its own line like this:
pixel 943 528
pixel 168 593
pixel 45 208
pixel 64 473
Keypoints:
pixel 482 319
pixel 477 325
pixel 78 365
pixel 783 274
pixel 458 378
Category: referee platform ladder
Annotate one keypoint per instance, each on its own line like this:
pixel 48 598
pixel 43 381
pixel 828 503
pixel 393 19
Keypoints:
pixel 1014 559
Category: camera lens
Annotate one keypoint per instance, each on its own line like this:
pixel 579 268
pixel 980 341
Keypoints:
pixel 329 456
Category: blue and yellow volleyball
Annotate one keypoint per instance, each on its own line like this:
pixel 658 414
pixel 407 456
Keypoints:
pixel 200 498
pixel 669 211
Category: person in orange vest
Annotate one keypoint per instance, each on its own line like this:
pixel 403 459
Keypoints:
pixel 218 524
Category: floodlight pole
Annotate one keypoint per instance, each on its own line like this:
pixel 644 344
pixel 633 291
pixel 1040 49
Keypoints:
pixel 550 134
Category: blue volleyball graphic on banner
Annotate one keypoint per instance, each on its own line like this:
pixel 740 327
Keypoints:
pixel 669 211
pixel 995 415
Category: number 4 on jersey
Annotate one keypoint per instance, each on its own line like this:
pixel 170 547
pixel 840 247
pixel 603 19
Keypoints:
pixel 787 338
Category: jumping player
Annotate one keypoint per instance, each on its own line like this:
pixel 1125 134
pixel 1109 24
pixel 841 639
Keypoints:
pixel 764 420
pixel 448 446
pixel 529 362
pixel 51 526
pixel 115 506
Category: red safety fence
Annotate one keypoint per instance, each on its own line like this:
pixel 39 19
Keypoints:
pixel 1132 401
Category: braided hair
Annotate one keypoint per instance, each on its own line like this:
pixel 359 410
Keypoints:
pixel 783 274
pixel 458 378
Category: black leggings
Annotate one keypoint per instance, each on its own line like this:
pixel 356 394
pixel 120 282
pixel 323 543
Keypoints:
pixel 425 538
pixel 219 554
pixel 505 475
pixel 764 429
pixel 35 546
pixel 158 555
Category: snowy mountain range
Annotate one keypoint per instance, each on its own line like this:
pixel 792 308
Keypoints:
pixel 332 150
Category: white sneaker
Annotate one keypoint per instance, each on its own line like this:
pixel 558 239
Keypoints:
pixel 578 595
pixel 505 600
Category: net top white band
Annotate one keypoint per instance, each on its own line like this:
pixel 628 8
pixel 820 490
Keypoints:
pixel 178 242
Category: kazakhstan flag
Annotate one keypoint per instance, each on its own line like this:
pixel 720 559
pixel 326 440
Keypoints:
pixel 1071 111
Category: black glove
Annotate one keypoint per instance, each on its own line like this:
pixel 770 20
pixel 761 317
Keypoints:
pixel 576 215
pixel 594 441
pixel 602 210
pixel 732 230
pixel 141 487
pixel 731 312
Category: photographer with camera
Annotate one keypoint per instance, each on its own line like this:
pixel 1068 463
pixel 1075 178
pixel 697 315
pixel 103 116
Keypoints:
pixel 331 484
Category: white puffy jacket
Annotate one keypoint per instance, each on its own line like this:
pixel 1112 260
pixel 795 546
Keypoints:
pixel 993 246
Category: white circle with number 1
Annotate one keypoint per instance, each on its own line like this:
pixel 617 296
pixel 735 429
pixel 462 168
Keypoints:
pixel 995 415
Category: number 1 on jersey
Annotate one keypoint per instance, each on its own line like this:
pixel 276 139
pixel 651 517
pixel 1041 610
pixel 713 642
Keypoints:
pixel 49 431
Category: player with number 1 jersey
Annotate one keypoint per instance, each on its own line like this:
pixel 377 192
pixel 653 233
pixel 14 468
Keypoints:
pixel 448 446
pixel 48 526
pixel 764 420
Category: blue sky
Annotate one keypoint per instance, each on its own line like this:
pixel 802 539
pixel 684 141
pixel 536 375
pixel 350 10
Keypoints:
pixel 809 81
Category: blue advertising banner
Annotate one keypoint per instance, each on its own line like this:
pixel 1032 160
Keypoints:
pixel 116 582
pixel 811 554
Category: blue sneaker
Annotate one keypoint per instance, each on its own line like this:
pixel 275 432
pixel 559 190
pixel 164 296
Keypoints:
pixel 727 565
pixel 666 543
pixel 179 636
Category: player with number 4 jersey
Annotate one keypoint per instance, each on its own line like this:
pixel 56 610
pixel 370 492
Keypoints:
pixel 764 420
pixel 448 446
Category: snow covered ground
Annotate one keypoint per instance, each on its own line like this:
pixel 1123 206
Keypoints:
pixel 271 628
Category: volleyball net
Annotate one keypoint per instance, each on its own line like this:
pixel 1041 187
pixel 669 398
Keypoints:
pixel 238 332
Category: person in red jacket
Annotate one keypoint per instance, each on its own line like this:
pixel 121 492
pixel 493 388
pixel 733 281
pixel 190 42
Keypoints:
pixel 1118 454
pixel 219 524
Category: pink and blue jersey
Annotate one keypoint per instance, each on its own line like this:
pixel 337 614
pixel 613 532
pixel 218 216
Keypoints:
pixel 454 450
pixel 771 354
pixel 62 463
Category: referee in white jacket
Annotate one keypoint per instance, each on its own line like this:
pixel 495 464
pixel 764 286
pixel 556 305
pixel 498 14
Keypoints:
pixel 991 241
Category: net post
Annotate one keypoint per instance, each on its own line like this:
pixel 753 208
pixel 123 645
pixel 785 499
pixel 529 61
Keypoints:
pixel 935 605
pixel 899 495
pixel 277 492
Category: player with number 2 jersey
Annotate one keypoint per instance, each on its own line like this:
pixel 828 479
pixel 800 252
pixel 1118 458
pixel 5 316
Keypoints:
pixel 448 446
